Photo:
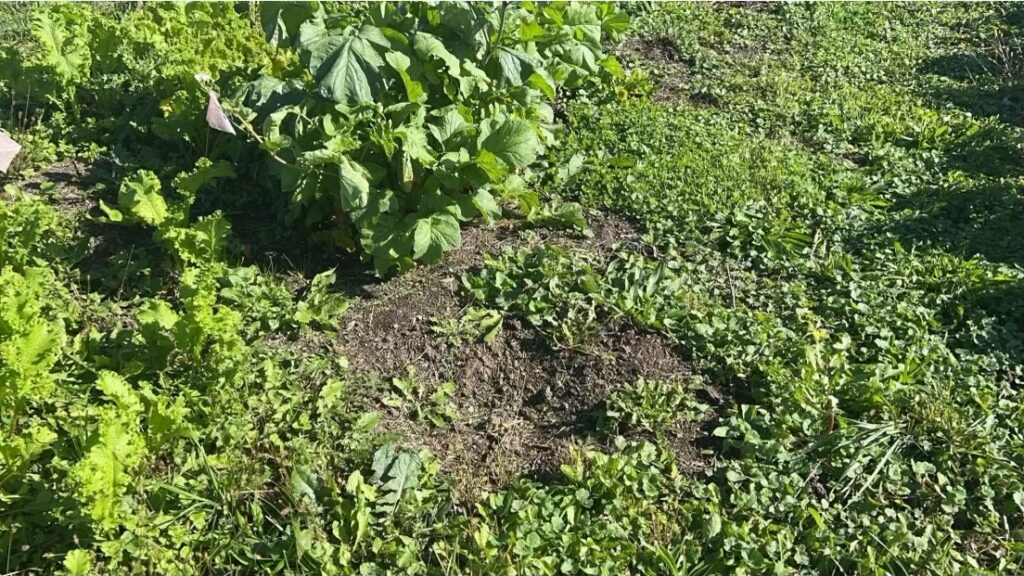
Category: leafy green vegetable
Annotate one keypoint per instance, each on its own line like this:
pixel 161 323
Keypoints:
pixel 435 235
pixel 512 141
pixel 347 66
pixel 78 562
pixel 63 50
pixel 421 125
pixel 140 198
pixel 817 207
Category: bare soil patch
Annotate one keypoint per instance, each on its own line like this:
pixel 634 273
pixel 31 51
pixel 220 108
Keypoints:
pixel 660 56
pixel 66 184
pixel 754 5
pixel 521 403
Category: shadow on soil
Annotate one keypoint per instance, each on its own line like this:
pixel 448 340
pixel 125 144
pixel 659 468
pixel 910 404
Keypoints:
pixel 974 205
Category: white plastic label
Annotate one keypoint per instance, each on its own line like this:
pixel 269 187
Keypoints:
pixel 8 150
pixel 216 117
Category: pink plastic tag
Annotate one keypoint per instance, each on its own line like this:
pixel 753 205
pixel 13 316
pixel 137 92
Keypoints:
pixel 216 117
pixel 8 150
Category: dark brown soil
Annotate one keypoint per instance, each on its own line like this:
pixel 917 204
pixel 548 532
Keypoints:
pixel 659 55
pixel 755 5
pixel 521 403
pixel 66 184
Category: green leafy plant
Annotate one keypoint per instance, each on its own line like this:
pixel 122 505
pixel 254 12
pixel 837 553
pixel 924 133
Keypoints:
pixel 31 340
pixel 31 232
pixel 140 200
pixel 320 305
pixel 416 115
pixel 557 290
pixel 127 77
pixel 475 324
pixel 829 197
pixel 652 406
pixel 434 406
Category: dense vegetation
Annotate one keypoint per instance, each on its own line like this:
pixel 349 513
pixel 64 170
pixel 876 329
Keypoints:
pixel 828 201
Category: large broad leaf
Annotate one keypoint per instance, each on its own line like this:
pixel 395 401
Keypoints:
pixel 389 241
pixel 382 460
pixel 213 233
pixel 348 66
pixel 404 473
pixel 267 94
pixel 353 184
pixel 614 23
pixel 435 235
pixel 491 166
pixel 465 29
pixel 67 55
pixel 116 388
pixel 206 171
pixel 400 63
pixel 449 123
pixel 315 39
pixel 101 476
pixel 202 242
pixel 281 20
pixel 581 14
pixel 156 317
pixel 414 143
pixel 303 482
pixel 542 80
pixel 580 56
pixel 514 65
pixel 487 205
pixel 36 349
pixel 428 47
pixel 333 149
pixel 401 471
pixel 514 142
pixel 140 197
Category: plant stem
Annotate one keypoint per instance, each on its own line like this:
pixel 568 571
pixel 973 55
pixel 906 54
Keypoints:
pixel 24 116
pixel 501 32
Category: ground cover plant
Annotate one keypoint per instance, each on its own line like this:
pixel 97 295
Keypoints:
pixel 535 288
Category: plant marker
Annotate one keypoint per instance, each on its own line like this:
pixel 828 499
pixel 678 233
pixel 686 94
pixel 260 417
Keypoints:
pixel 216 117
pixel 8 150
